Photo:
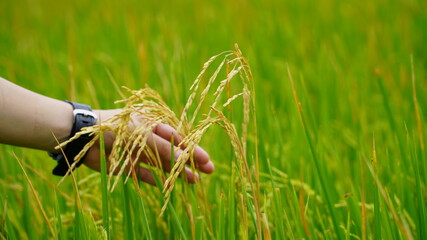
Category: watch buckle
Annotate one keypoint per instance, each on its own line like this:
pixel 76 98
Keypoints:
pixel 84 113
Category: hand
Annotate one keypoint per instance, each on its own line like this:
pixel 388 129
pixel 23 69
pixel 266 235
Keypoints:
pixel 161 138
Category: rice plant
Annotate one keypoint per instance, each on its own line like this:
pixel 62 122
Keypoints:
pixel 316 129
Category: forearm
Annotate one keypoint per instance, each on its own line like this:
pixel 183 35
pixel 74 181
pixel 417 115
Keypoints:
pixel 31 120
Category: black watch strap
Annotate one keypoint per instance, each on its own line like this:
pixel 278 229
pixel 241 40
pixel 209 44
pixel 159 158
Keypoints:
pixel 83 117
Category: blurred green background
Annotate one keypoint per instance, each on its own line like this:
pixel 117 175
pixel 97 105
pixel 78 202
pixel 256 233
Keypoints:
pixel 351 62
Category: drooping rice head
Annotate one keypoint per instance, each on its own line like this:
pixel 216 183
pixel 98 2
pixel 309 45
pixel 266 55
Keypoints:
pixel 131 140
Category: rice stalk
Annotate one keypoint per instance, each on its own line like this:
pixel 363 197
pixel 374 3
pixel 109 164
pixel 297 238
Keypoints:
pixel 36 197
pixel 404 229
pixel 416 107
pixel 131 138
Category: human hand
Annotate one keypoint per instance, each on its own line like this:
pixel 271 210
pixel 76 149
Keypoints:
pixel 160 139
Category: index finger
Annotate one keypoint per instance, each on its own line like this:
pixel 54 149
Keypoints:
pixel 201 157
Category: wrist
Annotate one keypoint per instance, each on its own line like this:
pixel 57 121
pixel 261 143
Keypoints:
pixel 53 122
pixel 83 116
pixel 63 125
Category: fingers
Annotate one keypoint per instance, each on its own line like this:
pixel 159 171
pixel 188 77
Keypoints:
pixel 146 175
pixel 166 132
pixel 201 157
pixel 191 177
pixel 207 168
pixel 203 162
pixel 162 146
pixel 160 141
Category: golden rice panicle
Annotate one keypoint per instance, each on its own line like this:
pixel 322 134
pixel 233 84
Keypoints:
pixel 195 87
pixel 240 70
pixel 131 139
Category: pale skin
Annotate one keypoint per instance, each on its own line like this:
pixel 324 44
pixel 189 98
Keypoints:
pixel 28 119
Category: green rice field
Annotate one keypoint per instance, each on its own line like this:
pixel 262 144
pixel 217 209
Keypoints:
pixel 336 143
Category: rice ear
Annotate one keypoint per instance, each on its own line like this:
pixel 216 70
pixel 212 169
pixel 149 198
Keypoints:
pixel 131 141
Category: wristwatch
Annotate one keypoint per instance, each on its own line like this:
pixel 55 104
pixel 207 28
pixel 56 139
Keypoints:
pixel 83 117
